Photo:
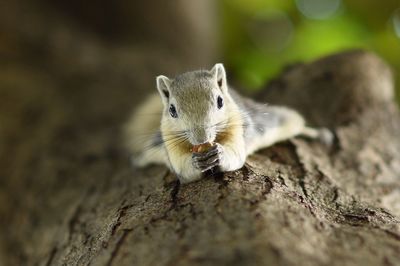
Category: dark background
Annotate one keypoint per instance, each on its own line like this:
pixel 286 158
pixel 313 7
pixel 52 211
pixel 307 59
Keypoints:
pixel 254 38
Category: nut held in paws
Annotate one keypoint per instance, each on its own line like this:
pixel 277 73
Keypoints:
pixel 202 147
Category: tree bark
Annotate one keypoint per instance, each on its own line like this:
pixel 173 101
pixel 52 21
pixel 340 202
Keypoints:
pixel 69 196
pixel 296 203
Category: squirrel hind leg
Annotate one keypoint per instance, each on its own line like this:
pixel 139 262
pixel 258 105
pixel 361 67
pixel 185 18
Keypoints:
pixel 323 135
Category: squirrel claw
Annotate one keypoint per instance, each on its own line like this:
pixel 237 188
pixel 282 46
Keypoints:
pixel 207 160
pixel 205 168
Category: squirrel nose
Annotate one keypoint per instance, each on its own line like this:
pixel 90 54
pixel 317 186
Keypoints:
pixel 200 136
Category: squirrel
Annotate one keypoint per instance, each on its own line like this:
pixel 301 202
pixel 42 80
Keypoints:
pixel 199 111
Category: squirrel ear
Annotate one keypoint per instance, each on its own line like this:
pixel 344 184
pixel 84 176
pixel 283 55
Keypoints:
pixel 219 73
pixel 163 84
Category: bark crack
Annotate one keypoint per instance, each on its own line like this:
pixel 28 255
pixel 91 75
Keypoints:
pixel 118 246
pixel 121 213
pixel 51 256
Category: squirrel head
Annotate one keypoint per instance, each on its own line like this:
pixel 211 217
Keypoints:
pixel 195 104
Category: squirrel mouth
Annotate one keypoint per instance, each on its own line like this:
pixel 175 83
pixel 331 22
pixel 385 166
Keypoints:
pixel 201 147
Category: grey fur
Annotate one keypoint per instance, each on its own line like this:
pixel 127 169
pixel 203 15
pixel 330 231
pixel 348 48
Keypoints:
pixel 194 96
pixel 257 117
pixel 197 86
pixel 193 86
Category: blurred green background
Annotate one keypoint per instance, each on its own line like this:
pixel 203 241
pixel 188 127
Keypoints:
pixel 261 36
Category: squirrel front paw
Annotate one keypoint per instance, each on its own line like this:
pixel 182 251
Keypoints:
pixel 204 161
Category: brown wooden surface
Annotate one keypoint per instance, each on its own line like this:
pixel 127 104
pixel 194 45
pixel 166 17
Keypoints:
pixel 68 195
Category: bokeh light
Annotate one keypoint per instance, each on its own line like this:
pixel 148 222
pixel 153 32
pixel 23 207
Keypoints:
pixel 396 22
pixel 318 9
pixel 263 36
pixel 271 30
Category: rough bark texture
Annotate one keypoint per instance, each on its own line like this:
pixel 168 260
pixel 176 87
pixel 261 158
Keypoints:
pixel 69 196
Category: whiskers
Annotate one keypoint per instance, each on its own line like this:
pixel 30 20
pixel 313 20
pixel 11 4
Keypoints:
pixel 242 120
pixel 171 140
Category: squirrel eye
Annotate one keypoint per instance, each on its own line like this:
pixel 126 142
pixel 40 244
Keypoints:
pixel 220 102
pixel 172 111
